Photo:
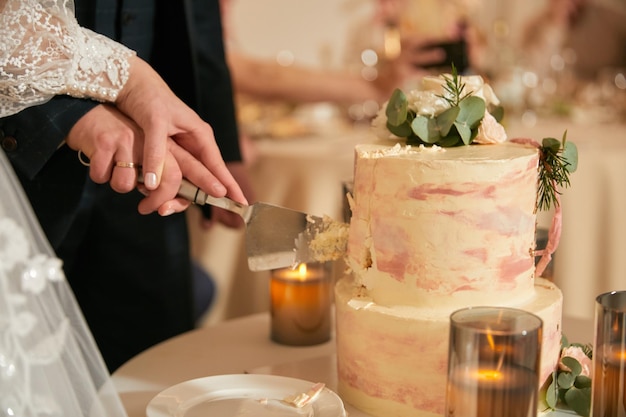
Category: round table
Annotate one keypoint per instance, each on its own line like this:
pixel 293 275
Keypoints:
pixel 241 346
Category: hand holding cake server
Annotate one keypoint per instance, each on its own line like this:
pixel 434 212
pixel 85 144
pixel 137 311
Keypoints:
pixel 148 124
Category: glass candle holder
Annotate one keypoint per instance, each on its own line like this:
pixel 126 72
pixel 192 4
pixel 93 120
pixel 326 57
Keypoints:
pixel 300 305
pixel 493 363
pixel 608 386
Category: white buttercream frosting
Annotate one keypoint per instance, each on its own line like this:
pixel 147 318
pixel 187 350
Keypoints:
pixel 444 227
pixel 433 230
pixel 392 360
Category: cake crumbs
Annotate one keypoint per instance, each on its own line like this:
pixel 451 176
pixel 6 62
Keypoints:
pixel 331 241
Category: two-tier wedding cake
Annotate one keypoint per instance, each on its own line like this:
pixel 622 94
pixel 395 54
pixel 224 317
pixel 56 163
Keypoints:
pixel 435 229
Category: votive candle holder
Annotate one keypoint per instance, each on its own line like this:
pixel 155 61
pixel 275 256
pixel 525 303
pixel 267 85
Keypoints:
pixel 493 363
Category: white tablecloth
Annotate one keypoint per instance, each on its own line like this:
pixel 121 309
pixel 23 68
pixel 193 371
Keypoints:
pixel 307 173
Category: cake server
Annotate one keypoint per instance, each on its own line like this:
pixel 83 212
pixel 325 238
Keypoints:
pixel 276 237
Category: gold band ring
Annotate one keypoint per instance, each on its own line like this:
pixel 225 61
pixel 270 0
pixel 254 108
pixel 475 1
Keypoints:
pixel 127 164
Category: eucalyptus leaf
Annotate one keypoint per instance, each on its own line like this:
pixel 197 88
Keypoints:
pixel 570 154
pixel 582 381
pixel 426 129
pixel 464 131
pixel 403 130
pixel 552 394
pixel 451 140
pixel 565 380
pixel 446 120
pixel 573 365
pixel 397 108
pixel 472 111
pixel 552 144
pixel 579 400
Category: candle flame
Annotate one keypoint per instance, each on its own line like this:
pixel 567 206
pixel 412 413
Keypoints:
pixel 494 348
pixel 489 374
pixel 302 272
pixel 490 340
pixel 615 326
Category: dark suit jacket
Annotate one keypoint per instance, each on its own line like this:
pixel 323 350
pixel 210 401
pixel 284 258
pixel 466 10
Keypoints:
pixel 130 273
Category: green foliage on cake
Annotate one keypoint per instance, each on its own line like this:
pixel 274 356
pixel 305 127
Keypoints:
pixel 452 110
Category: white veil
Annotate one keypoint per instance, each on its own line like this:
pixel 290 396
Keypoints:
pixel 49 363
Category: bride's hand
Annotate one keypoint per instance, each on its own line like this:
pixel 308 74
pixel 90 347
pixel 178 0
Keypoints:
pixel 150 103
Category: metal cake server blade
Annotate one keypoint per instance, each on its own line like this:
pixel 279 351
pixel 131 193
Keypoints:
pixel 276 237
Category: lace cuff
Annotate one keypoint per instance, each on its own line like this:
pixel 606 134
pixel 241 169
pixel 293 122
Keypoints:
pixel 46 53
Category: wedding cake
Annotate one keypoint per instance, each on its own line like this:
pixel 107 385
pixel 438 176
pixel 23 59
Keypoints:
pixel 435 229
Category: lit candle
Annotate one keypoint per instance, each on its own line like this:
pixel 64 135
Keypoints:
pixel 493 363
pixel 300 305
pixel 487 392
pixel 608 398
pixel 610 377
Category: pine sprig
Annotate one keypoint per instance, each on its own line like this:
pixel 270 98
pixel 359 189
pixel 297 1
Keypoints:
pixel 454 87
pixel 557 160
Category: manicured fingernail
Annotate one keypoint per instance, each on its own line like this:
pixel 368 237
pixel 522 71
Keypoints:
pixel 168 212
pixel 150 180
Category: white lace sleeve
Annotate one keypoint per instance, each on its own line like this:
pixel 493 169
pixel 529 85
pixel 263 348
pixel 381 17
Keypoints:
pixel 44 52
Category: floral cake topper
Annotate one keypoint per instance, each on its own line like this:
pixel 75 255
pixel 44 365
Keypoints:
pixel 452 110
pixel 449 110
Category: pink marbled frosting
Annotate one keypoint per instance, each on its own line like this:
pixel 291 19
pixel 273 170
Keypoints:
pixel 433 231
pixel 392 361
pixel 448 227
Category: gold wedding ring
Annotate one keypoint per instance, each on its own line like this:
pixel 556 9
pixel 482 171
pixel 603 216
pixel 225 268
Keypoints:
pixel 127 164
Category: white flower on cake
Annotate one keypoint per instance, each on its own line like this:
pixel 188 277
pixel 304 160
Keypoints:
pixel 426 103
pixel 474 85
pixel 490 131
pixel 448 110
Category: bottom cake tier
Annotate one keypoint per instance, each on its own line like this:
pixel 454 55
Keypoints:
pixel 392 361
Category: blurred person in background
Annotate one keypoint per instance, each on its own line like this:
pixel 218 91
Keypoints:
pixel 268 80
pixel 589 35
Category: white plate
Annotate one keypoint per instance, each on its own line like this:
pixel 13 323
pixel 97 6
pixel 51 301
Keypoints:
pixel 242 395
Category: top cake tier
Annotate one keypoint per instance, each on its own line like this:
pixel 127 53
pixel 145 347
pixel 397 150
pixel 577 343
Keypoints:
pixel 444 227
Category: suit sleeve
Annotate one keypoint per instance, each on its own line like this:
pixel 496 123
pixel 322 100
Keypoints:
pixel 37 132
